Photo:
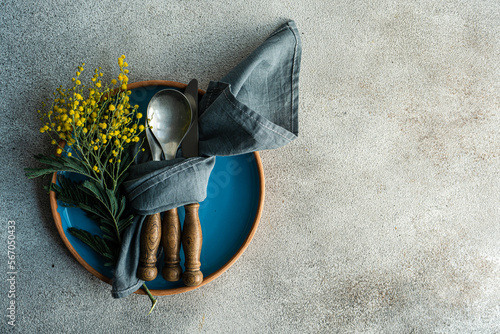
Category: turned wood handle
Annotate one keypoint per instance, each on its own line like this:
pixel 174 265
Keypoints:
pixel 192 240
pixel 150 241
pixel 171 243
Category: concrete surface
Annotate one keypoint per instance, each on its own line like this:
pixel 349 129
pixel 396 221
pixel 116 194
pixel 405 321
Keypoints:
pixel 383 217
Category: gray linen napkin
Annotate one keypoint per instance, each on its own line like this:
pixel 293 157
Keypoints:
pixel 253 108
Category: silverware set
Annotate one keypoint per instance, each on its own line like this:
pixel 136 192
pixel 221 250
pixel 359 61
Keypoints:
pixel 174 121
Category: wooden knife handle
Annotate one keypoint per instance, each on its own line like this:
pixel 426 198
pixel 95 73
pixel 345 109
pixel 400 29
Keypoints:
pixel 192 240
pixel 171 243
pixel 150 241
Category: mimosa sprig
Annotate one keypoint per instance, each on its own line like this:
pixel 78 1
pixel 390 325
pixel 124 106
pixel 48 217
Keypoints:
pixel 94 129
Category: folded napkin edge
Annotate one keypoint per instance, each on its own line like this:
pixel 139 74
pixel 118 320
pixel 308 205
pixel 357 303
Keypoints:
pixel 280 131
pixel 116 293
pixel 165 174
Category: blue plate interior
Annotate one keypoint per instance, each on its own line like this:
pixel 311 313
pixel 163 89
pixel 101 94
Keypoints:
pixel 227 214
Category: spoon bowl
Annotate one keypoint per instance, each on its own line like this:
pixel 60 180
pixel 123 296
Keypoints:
pixel 169 114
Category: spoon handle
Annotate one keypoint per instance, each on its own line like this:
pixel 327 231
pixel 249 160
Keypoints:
pixel 192 240
pixel 150 241
pixel 171 243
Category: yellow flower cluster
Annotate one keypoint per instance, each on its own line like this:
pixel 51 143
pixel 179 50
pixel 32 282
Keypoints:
pixel 97 120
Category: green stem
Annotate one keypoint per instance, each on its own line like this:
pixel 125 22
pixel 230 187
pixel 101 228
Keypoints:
pixel 151 297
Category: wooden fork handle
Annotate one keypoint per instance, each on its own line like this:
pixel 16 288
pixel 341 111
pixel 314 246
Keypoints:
pixel 150 241
pixel 192 240
pixel 171 243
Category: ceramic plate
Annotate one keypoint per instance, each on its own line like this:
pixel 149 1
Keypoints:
pixel 229 215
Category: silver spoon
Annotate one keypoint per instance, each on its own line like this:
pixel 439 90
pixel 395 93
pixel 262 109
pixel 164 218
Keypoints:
pixel 170 114
pixel 170 117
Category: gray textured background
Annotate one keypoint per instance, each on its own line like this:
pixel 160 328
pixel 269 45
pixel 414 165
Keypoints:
pixel 383 217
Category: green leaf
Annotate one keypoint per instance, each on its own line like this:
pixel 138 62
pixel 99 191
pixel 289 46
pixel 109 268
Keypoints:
pixel 123 205
pixel 87 238
pixel 93 188
pixel 124 223
pixel 53 161
pixel 107 237
pixel 94 210
pixel 109 255
pixel 32 173
pixel 74 164
pixel 57 164
pixel 106 230
pixel 67 191
pixel 112 201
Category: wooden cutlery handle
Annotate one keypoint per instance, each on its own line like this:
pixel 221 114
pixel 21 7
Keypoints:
pixel 171 243
pixel 192 240
pixel 150 241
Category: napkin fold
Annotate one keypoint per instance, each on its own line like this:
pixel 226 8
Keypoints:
pixel 253 108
